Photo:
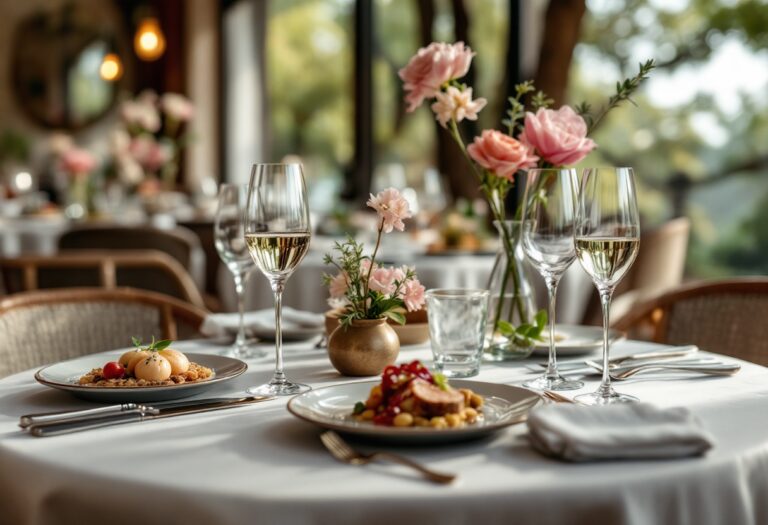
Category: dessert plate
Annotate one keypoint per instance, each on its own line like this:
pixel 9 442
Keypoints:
pixel 576 339
pixel 331 408
pixel 64 376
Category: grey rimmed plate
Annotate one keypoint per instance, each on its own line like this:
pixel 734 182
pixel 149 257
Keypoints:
pixel 331 408
pixel 576 339
pixel 64 376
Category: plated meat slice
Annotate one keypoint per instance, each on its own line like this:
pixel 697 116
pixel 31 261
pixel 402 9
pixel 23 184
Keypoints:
pixel 430 400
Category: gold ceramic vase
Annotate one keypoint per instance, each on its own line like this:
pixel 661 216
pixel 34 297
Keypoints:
pixel 364 348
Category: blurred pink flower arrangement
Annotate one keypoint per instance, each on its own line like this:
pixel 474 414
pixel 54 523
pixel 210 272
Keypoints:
pixel 362 287
pixel 147 146
pixel 77 162
pixel 536 135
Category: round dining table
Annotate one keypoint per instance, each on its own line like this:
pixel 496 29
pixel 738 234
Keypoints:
pixel 260 464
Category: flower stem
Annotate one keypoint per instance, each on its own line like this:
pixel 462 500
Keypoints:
pixel 370 269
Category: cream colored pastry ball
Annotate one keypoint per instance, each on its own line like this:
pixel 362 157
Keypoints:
pixel 153 368
pixel 130 358
pixel 179 362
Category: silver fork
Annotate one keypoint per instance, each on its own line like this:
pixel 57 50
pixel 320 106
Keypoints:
pixel 717 369
pixel 340 450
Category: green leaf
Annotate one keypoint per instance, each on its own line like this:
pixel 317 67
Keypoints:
pixel 359 408
pixel 136 341
pixel 162 345
pixel 506 329
pixel 540 318
pixel 395 316
pixel 440 380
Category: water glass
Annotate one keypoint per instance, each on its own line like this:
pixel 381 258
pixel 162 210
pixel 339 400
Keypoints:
pixel 457 321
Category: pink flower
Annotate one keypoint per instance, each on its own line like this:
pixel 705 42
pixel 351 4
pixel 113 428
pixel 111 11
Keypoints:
pixel 141 113
pixel 176 106
pixel 456 104
pixel 385 280
pixel 151 154
pixel 413 295
pixel 76 161
pixel 338 286
pixel 559 136
pixel 501 154
pixel 391 207
pixel 431 67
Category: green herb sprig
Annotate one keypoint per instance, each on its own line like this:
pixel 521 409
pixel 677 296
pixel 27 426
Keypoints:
pixel 154 346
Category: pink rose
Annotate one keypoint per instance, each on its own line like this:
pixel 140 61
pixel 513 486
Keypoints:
pixel 384 280
pixel 142 114
pixel 501 154
pixel 559 136
pixel 456 104
pixel 431 67
pixel 391 207
pixel 176 106
pixel 413 295
pixel 338 286
pixel 151 154
pixel 76 161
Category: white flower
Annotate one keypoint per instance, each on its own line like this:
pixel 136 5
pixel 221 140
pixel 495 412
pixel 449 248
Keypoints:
pixel 457 104
pixel 177 107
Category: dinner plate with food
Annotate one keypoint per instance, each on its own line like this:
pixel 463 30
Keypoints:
pixel 411 405
pixel 153 372
pixel 576 339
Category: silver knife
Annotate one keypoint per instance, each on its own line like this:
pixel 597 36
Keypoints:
pixel 68 426
pixel 567 364
pixel 46 417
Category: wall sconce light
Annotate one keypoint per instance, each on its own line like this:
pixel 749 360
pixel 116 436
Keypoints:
pixel 149 41
pixel 111 68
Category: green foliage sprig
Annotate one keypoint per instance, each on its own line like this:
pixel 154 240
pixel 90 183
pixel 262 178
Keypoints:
pixel 154 346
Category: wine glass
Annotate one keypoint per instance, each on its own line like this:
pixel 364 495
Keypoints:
pixel 607 241
pixel 549 214
pixel 229 238
pixel 277 233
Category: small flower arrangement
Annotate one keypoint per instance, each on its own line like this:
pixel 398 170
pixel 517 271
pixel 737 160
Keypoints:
pixel 147 146
pixel 536 136
pixel 362 287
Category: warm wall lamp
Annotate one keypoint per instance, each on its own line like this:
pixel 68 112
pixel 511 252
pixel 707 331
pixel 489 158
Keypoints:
pixel 111 68
pixel 149 41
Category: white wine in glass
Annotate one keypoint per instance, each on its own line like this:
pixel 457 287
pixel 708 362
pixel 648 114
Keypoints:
pixel 549 217
pixel 277 233
pixel 607 241
pixel 229 238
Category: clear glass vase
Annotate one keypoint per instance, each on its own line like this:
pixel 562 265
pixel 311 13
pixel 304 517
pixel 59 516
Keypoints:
pixel 512 297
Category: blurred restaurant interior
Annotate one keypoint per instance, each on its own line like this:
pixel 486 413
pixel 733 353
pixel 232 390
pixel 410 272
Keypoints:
pixel 120 120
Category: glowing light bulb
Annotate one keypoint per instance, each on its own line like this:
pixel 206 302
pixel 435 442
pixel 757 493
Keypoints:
pixel 111 68
pixel 149 41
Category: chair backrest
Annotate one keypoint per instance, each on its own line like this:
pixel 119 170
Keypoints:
pixel 179 243
pixel 727 317
pixel 43 327
pixel 145 269
pixel 659 266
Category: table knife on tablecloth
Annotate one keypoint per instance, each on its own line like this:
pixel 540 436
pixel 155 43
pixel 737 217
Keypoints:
pixel 70 425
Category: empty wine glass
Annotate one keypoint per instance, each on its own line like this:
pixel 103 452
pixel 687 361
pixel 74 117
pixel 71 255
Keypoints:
pixel 607 241
pixel 549 212
pixel 229 238
pixel 277 233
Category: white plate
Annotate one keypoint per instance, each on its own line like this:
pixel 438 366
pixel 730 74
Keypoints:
pixel 64 376
pixel 331 408
pixel 577 339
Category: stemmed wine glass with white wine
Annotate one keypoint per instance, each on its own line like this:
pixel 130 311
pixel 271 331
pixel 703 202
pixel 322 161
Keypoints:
pixel 229 238
pixel 277 233
pixel 607 241
pixel 549 215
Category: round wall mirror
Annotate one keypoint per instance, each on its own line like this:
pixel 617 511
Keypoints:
pixel 68 65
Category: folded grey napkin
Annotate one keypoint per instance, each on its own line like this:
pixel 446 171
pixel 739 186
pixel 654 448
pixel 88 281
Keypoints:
pixel 622 431
pixel 223 324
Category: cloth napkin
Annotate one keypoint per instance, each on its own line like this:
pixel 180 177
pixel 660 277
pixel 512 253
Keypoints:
pixel 223 324
pixel 621 431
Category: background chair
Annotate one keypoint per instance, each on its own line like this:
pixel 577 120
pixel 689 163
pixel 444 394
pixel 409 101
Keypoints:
pixel 727 317
pixel 145 269
pixel 43 327
pixel 659 267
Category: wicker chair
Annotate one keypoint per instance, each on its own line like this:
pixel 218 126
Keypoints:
pixel 145 269
pixel 727 317
pixel 49 326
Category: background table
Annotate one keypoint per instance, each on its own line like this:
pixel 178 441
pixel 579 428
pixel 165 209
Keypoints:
pixel 259 464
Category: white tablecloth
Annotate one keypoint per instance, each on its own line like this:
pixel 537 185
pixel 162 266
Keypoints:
pixel 258 464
